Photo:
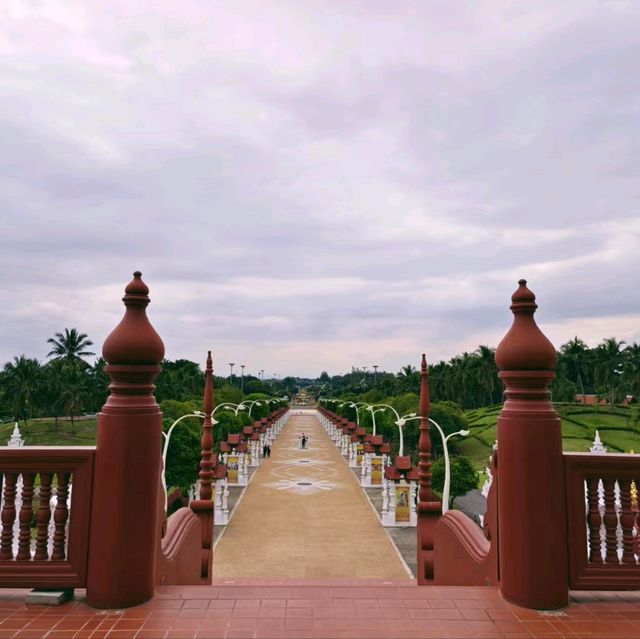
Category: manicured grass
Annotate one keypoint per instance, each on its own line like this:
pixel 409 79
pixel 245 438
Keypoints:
pixel 570 429
pixel 572 445
pixel 622 441
pixel 609 421
pixel 44 432
pixel 473 448
pixel 579 425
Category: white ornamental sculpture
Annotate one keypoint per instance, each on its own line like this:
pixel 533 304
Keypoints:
pixel 598 447
pixel 16 440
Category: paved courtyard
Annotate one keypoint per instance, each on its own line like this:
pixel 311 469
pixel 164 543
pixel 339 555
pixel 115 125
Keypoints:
pixel 305 515
pixel 322 609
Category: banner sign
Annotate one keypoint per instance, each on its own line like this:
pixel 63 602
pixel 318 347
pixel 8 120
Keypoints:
pixel 232 469
pixel 376 471
pixel 403 495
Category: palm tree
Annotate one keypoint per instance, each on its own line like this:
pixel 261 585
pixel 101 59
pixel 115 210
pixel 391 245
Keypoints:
pixel 632 368
pixel 576 353
pixel 52 386
pixel 73 393
pixel 609 360
pixel 70 346
pixel 487 370
pixel 21 380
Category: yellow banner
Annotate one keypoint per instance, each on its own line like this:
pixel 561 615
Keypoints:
pixel 376 471
pixel 403 495
pixel 232 469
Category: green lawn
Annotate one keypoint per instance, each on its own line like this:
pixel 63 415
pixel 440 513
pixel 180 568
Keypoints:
pixel 578 430
pixel 44 433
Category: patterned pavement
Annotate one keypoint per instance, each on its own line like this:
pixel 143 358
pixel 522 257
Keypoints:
pixel 305 515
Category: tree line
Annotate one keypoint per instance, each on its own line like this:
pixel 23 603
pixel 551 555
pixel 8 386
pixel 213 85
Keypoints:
pixel 67 385
pixel 610 371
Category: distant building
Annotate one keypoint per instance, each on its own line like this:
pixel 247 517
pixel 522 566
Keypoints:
pixel 303 398
pixel 593 400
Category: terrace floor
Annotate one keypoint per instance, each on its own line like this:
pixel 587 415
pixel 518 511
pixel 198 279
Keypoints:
pixel 321 609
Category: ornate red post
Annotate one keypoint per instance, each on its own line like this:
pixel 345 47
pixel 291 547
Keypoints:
pixel 204 507
pixel 429 507
pixel 124 505
pixel 531 513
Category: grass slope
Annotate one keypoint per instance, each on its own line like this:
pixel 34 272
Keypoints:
pixel 579 424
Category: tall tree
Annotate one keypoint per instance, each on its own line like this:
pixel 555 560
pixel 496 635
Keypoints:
pixel 609 362
pixel 70 346
pixel 577 354
pixel 21 379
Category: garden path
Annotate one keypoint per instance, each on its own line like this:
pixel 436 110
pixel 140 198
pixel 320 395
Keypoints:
pixel 304 515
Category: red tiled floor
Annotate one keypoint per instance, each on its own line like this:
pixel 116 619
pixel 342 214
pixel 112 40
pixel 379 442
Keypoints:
pixel 323 610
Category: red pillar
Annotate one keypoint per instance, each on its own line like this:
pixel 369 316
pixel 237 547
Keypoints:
pixel 531 498
pixel 204 506
pixel 124 505
pixel 429 506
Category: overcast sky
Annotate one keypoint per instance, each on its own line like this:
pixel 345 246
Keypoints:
pixel 315 185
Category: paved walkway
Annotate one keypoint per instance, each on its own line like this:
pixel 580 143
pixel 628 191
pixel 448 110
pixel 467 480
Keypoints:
pixel 304 515
pixel 267 609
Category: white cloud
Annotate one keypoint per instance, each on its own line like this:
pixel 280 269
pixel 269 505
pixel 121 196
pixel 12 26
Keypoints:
pixel 314 185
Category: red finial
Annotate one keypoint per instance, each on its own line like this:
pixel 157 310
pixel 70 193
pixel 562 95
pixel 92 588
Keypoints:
pixel 525 347
pixel 424 388
pixel 134 341
pixel 207 459
pixel 208 386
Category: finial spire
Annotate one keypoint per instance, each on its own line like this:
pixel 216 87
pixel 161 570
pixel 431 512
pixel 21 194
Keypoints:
pixel 134 341
pixel 525 347
pixel 424 388
pixel 207 460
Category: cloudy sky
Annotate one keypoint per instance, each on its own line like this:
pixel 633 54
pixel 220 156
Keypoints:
pixel 316 185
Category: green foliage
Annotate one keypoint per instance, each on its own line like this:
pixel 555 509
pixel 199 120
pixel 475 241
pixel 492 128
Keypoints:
pixel 183 454
pixel 464 477
pixel 173 409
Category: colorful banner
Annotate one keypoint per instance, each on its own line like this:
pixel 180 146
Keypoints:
pixel 376 471
pixel 232 469
pixel 403 494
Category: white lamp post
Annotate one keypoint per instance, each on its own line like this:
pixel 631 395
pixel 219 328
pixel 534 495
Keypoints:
pixel 400 422
pixel 373 412
pixel 250 404
pixel 355 405
pixel 167 438
pixel 447 465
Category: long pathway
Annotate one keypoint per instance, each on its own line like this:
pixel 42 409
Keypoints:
pixel 304 515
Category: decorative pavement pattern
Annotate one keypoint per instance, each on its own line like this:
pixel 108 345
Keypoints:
pixel 322 609
pixel 304 515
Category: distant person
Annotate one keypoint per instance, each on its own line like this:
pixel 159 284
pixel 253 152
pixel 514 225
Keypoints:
pixel 268 447
pixel 264 450
pixel 304 440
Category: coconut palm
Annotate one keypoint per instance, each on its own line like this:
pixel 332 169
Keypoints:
pixel 487 370
pixel 609 361
pixel 576 353
pixel 70 346
pixel 21 379
pixel 632 368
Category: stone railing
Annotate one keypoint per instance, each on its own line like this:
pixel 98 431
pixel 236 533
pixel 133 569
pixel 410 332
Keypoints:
pixel 467 555
pixel 37 486
pixel 603 521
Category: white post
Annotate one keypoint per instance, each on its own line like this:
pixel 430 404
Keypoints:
pixel 225 501
pixel 413 515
